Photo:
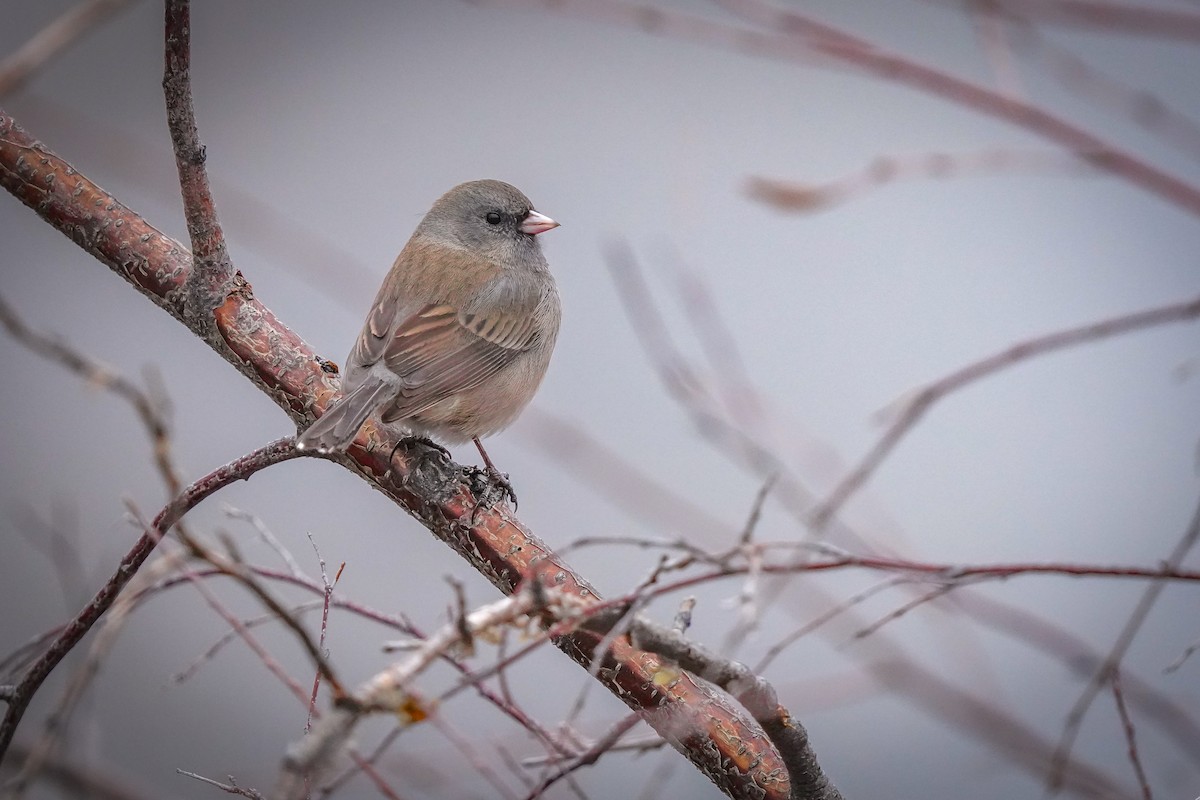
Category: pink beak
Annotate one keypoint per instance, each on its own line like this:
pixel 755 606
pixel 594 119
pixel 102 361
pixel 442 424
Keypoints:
pixel 537 223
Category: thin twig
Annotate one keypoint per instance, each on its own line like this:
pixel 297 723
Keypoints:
pixel 920 401
pixel 1130 737
pixel 211 277
pixel 1123 641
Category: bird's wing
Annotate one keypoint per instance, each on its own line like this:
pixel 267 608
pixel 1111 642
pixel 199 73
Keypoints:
pixel 440 351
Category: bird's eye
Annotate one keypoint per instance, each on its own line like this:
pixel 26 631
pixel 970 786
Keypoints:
pixel 493 218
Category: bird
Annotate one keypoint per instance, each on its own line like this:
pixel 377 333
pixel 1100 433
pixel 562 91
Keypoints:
pixel 460 333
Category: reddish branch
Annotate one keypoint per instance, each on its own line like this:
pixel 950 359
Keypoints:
pixel 209 280
pixel 717 738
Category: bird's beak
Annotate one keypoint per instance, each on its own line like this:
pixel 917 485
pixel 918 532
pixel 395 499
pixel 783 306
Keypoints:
pixel 536 223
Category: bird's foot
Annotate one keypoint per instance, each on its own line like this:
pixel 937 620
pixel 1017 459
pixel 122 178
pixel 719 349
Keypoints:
pixel 490 486
pixel 408 442
pixel 500 482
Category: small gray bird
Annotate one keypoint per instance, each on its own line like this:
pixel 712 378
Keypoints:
pixel 461 332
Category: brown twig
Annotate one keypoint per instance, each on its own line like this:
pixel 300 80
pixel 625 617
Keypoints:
pixel 211 278
pixel 328 584
pixel 390 691
pixel 588 757
pixel 1130 736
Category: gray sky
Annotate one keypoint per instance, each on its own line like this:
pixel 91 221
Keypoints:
pixel 330 129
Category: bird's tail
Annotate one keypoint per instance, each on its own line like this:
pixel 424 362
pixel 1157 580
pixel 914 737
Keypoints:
pixel 337 427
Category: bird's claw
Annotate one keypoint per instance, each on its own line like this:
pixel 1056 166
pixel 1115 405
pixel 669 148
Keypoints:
pixel 408 441
pixel 500 481
pixel 496 488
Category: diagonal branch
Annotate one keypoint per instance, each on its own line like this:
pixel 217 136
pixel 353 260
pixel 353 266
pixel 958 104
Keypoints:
pixel 914 408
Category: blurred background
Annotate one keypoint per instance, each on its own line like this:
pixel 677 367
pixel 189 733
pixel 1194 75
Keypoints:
pixel 330 130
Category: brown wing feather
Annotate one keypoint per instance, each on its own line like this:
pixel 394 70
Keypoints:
pixel 438 352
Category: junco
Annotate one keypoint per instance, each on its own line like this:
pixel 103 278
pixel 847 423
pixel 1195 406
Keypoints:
pixel 460 333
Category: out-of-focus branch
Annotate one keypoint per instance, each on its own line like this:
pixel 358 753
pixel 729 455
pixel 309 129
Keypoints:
pixel 799 197
pixel 152 411
pixel 791 36
pixel 1142 107
pixel 19 67
pixel 78 780
pixel 451 502
pixel 606 743
pixel 914 407
pixel 1130 737
pixel 239 469
pixel 1108 670
pixel 1127 18
pixel 98 374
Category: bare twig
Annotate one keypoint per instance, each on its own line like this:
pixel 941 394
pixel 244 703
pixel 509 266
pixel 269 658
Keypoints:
pixel 388 691
pixel 1130 736
pixel 914 407
pixel 800 197
pixel 1123 641
pixel 1187 653
pixel 603 745
pixel 211 277
pixel 228 788
pixel 328 584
